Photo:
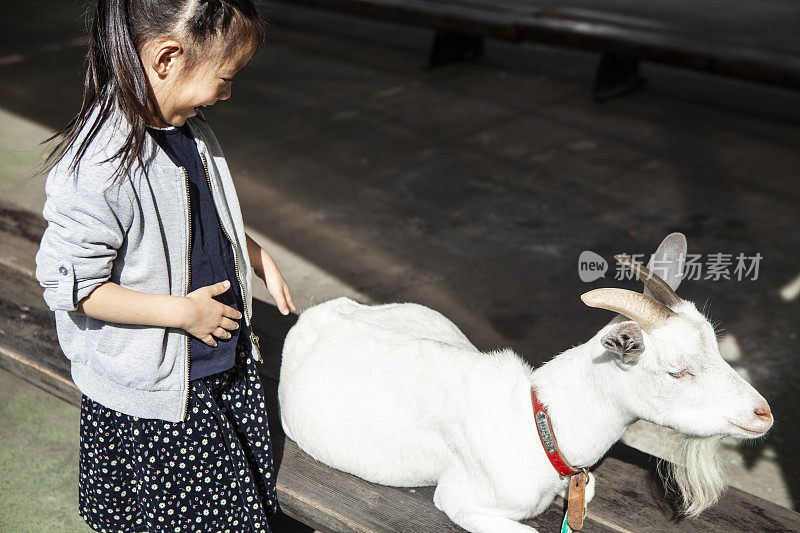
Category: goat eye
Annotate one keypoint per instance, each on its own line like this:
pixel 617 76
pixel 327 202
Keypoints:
pixel 682 373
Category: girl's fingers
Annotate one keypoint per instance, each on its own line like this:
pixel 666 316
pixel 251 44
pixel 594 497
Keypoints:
pixel 289 297
pixel 229 324
pixel 230 312
pixel 280 301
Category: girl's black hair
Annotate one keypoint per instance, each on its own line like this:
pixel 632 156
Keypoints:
pixel 114 73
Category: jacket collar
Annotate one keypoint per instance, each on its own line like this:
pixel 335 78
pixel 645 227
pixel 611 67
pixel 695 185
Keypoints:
pixel 116 128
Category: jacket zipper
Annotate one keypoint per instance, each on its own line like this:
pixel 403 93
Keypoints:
pixel 253 337
pixel 188 285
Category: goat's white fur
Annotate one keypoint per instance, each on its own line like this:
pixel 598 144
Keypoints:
pixel 697 472
pixel 396 394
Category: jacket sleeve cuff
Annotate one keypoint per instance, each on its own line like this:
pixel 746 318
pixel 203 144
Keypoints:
pixel 65 295
pixel 61 296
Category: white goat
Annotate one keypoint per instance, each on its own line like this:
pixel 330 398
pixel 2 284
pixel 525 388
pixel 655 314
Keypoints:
pixel 397 395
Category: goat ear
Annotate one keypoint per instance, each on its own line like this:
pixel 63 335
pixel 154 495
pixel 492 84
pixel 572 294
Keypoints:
pixel 624 339
pixel 667 262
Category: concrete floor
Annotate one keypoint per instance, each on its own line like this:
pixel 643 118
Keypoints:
pixel 474 188
pixel 39 463
pixel 39 460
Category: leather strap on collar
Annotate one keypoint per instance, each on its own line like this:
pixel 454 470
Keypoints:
pixel 548 439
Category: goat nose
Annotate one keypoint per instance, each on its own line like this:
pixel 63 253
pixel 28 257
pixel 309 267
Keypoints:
pixel 763 413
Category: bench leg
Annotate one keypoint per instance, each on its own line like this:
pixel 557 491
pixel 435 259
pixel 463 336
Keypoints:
pixel 449 47
pixel 616 76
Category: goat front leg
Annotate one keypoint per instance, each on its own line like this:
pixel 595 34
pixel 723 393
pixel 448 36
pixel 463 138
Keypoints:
pixel 449 497
pixel 485 520
pixel 590 486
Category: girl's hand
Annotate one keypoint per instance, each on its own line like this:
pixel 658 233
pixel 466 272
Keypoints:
pixel 276 285
pixel 207 318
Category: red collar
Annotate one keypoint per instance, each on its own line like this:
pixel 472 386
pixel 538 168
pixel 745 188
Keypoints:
pixel 548 438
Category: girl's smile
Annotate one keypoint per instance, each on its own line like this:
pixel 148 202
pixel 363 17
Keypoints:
pixel 177 91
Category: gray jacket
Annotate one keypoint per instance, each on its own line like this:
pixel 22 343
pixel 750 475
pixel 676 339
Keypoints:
pixel 134 233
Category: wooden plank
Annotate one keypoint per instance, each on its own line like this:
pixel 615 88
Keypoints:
pixel 752 62
pixel 317 490
pixel 28 343
pixel 467 19
pixel 622 20
pixel 629 497
pixel 350 504
pixel 635 37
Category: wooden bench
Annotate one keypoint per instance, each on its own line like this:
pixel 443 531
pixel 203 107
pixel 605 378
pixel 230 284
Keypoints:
pixel 623 40
pixel 629 497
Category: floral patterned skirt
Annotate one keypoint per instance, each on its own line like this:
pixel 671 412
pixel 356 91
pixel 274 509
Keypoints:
pixel 211 472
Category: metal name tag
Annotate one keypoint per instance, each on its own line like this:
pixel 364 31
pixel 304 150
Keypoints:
pixel 544 431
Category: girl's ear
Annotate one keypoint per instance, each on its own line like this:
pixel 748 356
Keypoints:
pixel 164 57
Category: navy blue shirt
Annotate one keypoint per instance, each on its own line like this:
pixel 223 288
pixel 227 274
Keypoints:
pixel 211 253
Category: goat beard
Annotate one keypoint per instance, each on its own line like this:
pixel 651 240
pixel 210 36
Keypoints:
pixel 696 472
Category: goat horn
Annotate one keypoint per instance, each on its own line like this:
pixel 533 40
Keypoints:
pixel 658 287
pixel 644 310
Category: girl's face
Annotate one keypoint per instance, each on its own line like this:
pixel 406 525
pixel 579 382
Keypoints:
pixel 176 92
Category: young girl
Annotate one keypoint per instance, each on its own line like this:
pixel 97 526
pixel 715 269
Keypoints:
pixel 147 266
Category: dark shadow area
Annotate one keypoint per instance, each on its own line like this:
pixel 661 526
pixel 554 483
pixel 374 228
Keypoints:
pixel 271 327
